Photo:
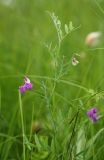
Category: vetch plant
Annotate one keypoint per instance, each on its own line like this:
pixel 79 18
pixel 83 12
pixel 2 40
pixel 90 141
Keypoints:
pixel 61 67
pixel 56 121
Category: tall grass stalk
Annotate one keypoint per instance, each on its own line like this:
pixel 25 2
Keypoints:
pixel 0 99
pixel 22 123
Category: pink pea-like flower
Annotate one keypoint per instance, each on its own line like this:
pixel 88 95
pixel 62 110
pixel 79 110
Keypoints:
pixel 92 114
pixel 27 85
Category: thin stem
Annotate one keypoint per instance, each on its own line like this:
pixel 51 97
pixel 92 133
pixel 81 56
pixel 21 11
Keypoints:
pixel 22 123
pixel 0 99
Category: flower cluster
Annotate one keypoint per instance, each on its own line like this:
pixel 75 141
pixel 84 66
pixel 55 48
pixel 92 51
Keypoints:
pixel 92 114
pixel 27 85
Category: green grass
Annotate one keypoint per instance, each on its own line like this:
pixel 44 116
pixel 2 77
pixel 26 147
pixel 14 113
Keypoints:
pixel 50 122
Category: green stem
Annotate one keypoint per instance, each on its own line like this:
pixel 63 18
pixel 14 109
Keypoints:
pixel 0 99
pixel 22 123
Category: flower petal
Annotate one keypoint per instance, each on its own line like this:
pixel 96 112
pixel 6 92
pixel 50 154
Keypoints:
pixel 22 89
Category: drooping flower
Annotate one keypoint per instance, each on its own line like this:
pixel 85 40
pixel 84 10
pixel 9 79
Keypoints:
pixel 92 114
pixel 74 61
pixel 27 85
pixel 92 39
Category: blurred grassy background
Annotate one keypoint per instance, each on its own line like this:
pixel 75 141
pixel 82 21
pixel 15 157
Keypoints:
pixel 24 28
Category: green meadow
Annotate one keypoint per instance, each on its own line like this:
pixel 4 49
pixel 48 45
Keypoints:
pixel 45 40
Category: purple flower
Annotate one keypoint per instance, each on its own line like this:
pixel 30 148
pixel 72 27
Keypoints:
pixel 92 114
pixel 27 85
pixel 22 89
